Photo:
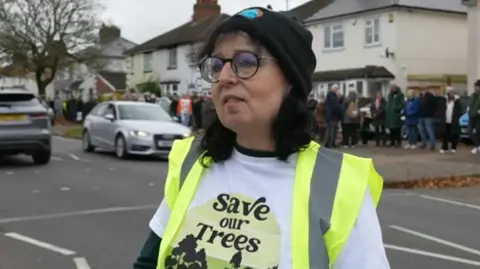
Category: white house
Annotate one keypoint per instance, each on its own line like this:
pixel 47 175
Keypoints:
pixel 364 45
pixel 166 59
pixel 108 76
pixel 27 82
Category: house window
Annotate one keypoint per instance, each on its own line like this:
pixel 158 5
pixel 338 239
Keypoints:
pixel 360 87
pixel 334 36
pixel 372 31
pixel 172 58
pixel 147 62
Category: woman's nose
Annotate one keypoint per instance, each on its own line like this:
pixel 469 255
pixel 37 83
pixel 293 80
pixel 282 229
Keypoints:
pixel 226 74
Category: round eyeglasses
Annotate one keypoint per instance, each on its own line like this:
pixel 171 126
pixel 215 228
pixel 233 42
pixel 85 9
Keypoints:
pixel 244 65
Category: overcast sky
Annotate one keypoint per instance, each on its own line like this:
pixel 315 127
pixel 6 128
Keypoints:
pixel 141 20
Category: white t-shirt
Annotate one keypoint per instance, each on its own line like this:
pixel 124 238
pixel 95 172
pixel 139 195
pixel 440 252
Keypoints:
pixel 241 214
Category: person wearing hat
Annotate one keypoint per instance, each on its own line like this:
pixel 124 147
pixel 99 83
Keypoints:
pixel 256 191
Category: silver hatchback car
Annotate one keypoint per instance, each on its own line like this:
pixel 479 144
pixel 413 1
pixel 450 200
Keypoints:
pixel 131 128
pixel 25 125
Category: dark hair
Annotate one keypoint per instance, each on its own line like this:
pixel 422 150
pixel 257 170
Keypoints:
pixel 291 132
pixel 477 83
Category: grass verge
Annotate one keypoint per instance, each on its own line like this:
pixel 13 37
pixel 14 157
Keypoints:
pixel 435 182
pixel 74 133
pixel 70 130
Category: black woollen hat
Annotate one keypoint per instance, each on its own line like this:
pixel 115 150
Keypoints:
pixel 287 40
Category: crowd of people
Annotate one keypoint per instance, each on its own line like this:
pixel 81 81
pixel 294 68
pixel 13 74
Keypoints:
pixel 419 115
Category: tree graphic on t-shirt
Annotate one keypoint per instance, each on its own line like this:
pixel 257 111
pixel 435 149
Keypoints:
pixel 186 256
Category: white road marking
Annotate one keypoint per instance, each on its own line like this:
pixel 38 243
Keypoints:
pixel 9 173
pixel 78 213
pixel 477 207
pixel 56 158
pixel 81 263
pixel 432 255
pixel 436 240
pixel 397 193
pixel 65 188
pixel 41 244
pixel 75 157
pixel 58 137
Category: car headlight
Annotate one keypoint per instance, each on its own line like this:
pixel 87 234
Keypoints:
pixel 139 133
pixel 186 135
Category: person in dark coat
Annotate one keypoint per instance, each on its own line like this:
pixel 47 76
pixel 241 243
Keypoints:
pixel 208 113
pixel 393 115
pixel 450 122
pixel 474 118
pixel 173 106
pixel 377 110
pixel 427 121
pixel 197 112
pixel 333 115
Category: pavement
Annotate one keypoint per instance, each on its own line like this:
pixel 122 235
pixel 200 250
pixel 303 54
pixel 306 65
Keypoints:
pixel 91 211
pixel 405 164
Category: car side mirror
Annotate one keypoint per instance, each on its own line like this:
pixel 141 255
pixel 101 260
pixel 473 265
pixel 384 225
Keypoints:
pixel 109 117
pixel 174 118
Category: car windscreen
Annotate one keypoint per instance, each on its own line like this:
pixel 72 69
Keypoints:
pixel 18 99
pixel 142 112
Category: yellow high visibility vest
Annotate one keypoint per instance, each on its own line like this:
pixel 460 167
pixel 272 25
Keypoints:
pixel 329 190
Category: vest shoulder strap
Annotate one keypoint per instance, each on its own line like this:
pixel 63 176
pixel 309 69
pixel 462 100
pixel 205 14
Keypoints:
pixel 357 174
pixel 182 157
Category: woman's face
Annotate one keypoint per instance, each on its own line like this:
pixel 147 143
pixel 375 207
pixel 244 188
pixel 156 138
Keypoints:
pixel 247 103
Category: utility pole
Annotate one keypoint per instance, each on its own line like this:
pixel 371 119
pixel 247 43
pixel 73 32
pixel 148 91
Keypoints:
pixel 286 2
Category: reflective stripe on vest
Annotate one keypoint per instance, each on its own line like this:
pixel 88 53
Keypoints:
pixel 329 190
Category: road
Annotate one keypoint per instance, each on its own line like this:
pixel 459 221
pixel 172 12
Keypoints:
pixel 90 211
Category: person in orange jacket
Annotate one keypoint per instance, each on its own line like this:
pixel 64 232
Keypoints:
pixel 184 109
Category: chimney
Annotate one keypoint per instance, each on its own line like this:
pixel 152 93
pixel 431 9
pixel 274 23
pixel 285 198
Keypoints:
pixel 205 8
pixel 108 33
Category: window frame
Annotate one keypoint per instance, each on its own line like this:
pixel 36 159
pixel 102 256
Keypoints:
pixel 330 32
pixel 147 62
pixel 172 58
pixel 373 25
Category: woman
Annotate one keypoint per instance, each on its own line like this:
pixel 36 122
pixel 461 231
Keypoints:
pixel 393 115
pixel 450 122
pixel 377 110
pixel 411 111
pixel 351 120
pixel 236 207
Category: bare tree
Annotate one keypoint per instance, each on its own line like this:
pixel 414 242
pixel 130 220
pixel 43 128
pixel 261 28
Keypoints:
pixel 41 36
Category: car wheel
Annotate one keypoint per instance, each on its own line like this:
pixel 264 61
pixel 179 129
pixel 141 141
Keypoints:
pixel 42 156
pixel 86 142
pixel 121 147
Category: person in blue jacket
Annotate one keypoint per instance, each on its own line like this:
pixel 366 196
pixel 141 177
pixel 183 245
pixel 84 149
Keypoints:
pixel 412 113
